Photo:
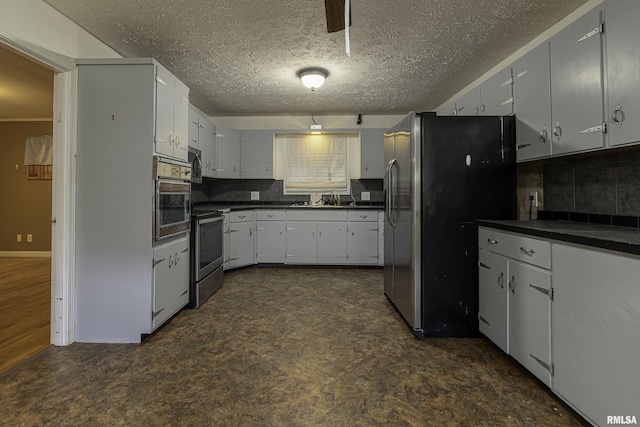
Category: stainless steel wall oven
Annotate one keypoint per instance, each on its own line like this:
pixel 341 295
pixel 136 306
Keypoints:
pixel 172 199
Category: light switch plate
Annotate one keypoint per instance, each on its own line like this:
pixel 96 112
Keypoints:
pixel 365 195
pixel 255 195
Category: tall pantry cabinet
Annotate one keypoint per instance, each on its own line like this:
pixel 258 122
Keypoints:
pixel 123 120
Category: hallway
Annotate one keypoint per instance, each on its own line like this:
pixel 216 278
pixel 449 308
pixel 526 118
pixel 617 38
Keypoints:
pixel 282 347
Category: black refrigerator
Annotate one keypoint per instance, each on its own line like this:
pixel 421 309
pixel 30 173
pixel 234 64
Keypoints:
pixel 442 174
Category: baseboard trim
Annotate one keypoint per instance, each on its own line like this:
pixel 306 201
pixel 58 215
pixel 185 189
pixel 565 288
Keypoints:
pixel 26 254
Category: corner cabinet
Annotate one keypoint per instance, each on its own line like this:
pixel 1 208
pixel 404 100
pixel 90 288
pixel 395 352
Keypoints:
pixel 120 115
pixel 576 86
pixel 242 236
pixel 256 154
pixel 227 153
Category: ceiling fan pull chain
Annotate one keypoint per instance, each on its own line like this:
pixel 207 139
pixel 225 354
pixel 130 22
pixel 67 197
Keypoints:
pixel 347 43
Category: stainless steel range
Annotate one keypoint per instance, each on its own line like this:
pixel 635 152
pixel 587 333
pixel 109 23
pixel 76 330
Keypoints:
pixel 206 255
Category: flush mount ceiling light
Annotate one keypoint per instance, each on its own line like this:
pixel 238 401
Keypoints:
pixel 312 78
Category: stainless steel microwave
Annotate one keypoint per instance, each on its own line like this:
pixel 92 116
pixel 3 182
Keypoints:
pixel 172 198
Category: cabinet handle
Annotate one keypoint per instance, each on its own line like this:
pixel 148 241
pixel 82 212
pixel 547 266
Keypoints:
pixel 529 252
pixel 513 279
pixel 557 131
pixel 177 259
pixel 184 293
pixel 618 116
pixel 364 216
pixel 242 216
pixel 281 231
pixel 320 232
pixel 544 134
pixel 270 216
pixel 251 232
pixel 170 261
pixel 313 232
pixel 492 242
pixel 233 231
pixel 353 232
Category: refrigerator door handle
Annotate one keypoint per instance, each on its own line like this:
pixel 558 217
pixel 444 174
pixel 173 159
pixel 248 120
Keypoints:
pixel 390 186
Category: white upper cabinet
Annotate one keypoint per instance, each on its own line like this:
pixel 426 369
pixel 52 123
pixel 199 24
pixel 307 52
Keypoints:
pixel 372 154
pixel 207 143
pixel 256 154
pixel 496 95
pixel 194 128
pixel 576 86
pixel 172 110
pixel 623 70
pixel 227 153
pixel 448 109
pixel 470 104
pixel 532 104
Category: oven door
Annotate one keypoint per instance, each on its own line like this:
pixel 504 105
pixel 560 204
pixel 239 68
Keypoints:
pixel 209 249
pixel 172 208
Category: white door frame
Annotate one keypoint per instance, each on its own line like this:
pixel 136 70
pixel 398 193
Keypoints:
pixel 63 184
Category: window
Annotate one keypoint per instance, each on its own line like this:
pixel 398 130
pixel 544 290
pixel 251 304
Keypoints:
pixel 316 164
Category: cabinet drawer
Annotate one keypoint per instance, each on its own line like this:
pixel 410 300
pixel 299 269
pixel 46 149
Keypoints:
pixel 241 216
pixel 363 215
pixel 275 215
pixel 320 214
pixel 516 246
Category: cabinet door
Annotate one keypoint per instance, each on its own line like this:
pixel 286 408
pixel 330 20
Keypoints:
pixel 372 154
pixel 181 273
pixel 596 331
pixel 164 112
pixel 469 104
pixel 241 244
pixel 228 153
pixel 530 318
pixel 492 292
pixel 448 109
pixel 270 242
pixel 497 94
pixel 532 104
pixel 623 70
pixel 207 137
pixel 362 242
pixel 194 128
pixel 576 86
pixel 225 246
pixel 256 154
pixel 332 242
pixel 163 288
pixel 181 121
pixel 301 242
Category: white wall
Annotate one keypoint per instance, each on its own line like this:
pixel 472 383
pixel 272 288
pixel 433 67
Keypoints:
pixel 303 122
pixel 37 27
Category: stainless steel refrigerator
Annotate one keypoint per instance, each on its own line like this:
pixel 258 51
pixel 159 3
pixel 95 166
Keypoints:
pixel 442 174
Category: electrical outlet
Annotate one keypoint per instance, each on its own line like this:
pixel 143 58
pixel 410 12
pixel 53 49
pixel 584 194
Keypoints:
pixel 255 195
pixel 29 237
pixel 533 198
pixel 19 238
pixel 365 195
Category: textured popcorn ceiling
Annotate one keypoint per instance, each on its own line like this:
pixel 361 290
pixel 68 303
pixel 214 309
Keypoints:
pixel 240 57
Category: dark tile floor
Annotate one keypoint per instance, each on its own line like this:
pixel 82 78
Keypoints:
pixel 281 347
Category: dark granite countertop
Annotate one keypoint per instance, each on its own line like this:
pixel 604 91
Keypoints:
pixel 615 238
pixel 228 208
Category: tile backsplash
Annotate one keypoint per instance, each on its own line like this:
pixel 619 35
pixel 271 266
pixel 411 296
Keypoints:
pixel 606 182
pixel 271 191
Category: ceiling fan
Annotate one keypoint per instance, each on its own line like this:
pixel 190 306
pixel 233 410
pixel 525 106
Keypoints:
pixel 335 15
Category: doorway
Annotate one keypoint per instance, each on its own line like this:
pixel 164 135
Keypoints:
pixel 26 110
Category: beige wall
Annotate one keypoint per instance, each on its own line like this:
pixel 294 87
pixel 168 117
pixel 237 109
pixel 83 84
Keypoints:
pixel 26 204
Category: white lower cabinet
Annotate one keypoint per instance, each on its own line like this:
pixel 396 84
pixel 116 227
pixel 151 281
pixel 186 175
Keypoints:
pixel 241 238
pixel 515 294
pixel 225 242
pixel 331 241
pixel 596 331
pixel 492 309
pixel 363 238
pixel 301 242
pixel 270 237
pixel 170 279
pixel 529 318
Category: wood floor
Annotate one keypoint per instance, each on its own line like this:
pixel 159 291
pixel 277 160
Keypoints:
pixel 25 308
